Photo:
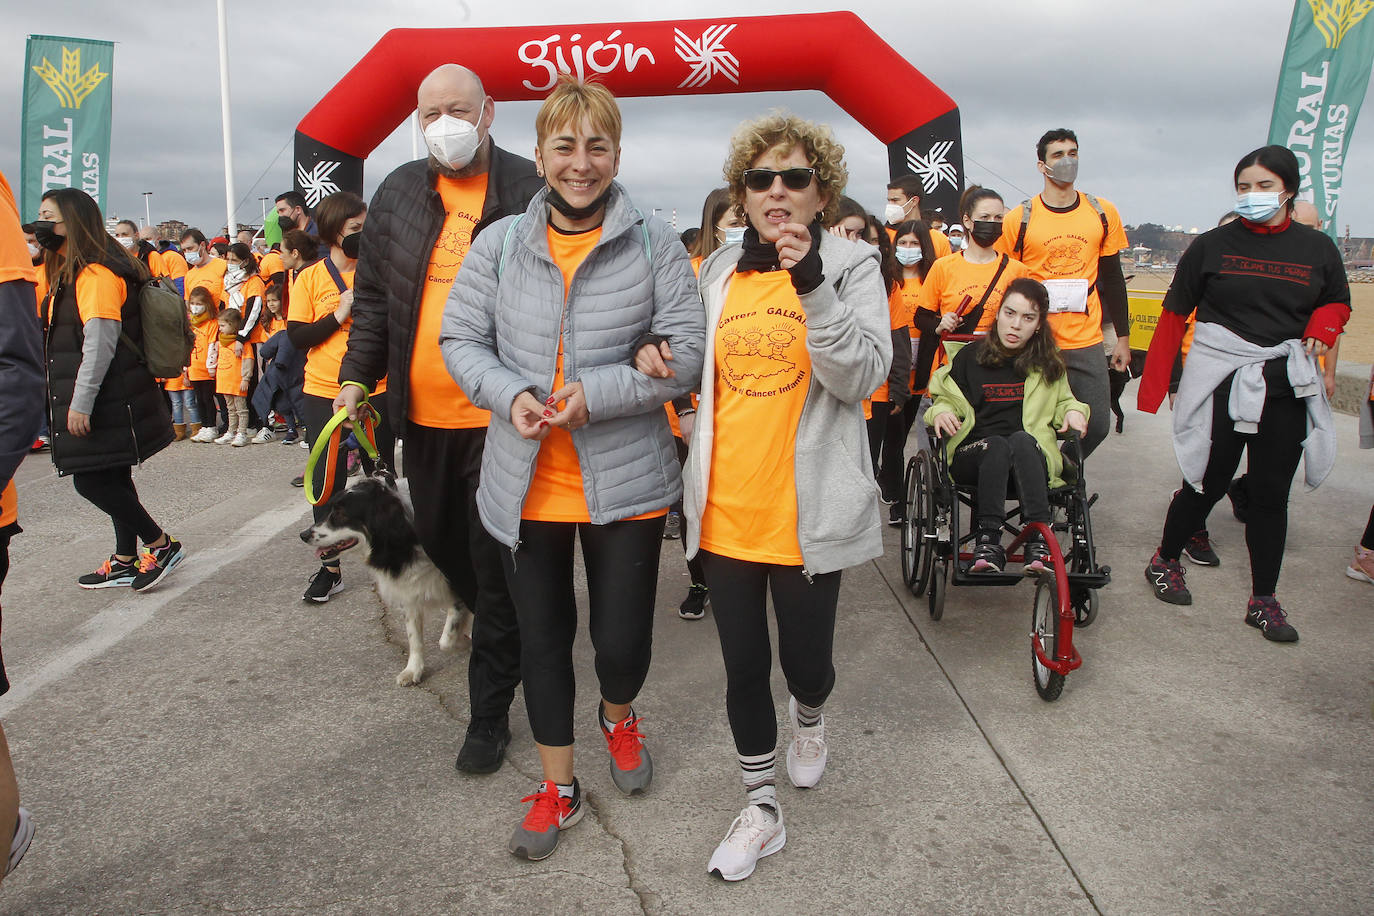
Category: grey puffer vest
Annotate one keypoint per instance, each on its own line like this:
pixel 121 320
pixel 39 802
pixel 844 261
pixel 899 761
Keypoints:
pixel 500 337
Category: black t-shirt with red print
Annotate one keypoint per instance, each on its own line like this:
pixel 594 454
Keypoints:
pixel 1262 285
pixel 995 393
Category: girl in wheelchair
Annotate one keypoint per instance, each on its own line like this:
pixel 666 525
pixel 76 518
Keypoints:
pixel 997 406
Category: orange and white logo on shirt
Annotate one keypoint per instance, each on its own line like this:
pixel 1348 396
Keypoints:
pixel 759 356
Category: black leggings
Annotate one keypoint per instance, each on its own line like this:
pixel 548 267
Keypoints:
pixel 990 464
pixel 205 399
pixel 318 410
pixel 877 425
pixel 1367 542
pixel 694 564
pixel 1275 450
pixel 622 579
pixel 112 492
pixel 805 612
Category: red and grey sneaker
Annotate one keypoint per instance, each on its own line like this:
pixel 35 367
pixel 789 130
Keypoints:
pixel 537 836
pixel 1199 549
pixel 632 769
pixel 1264 612
pixel 1166 577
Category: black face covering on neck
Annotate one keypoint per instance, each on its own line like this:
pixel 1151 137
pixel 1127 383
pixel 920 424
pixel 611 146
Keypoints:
pixel 43 232
pixel 287 223
pixel 577 213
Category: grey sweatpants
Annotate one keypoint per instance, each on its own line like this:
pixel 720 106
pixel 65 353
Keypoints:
pixel 1089 383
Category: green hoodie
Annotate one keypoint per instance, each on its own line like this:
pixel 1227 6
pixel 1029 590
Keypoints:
pixel 1042 413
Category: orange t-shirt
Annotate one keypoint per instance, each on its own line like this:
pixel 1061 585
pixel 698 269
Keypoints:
pixel 209 275
pixel 900 313
pixel 1065 246
pixel 99 293
pixel 270 264
pixel 15 263
pixel 556 493
pixel 229 371
pixel 9 499
pixel 952 278
pixel 175 265
pixel 435 399
pixel 153 261
pixel 762 372
pixel 204 333
pixel 314 295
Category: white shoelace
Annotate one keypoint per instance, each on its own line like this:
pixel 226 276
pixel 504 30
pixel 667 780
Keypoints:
pixel 746 829
pixel 809 747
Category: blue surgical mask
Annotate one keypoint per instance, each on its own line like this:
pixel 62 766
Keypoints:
pixel 1257 206
pixel 908 256
pixel 734 235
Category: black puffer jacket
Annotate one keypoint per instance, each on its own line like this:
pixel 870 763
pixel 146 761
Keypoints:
pixel 403 223
pixel 131 421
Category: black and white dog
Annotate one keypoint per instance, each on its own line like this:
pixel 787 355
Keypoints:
pixel 375 513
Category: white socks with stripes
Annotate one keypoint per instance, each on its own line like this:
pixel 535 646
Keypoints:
pixel 760 782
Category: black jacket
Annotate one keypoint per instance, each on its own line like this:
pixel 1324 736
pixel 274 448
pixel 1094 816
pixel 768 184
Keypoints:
pixel 403 224
pixel 131 420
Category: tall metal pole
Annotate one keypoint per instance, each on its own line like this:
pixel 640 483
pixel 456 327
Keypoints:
pixel 229 223
pixel 147 210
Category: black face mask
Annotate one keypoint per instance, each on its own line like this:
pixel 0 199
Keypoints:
pixel 43 232
pixel 287 223
pixel 350 244
pixel 577 213
pixel 986 231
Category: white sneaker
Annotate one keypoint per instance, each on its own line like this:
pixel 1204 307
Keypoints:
pixel 225 439
pixel 207 434
pixel 240 440
pixel 806 755
pixel 305 444
pixel 264 435
pixel 753 835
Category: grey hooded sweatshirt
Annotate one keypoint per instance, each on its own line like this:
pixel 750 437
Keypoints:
pixel 848 339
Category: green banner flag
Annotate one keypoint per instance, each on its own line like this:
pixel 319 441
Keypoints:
pixel 68 96
pixel 1325 73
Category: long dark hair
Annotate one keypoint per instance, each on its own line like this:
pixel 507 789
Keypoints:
pixel 717 202
pixel 887 255
pixel 1279 160
pixel 1040 354
pixel 245 255
pixel 922 232
pixel 87 241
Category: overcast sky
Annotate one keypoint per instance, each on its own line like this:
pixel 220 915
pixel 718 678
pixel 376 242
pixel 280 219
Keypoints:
pixel 1165 96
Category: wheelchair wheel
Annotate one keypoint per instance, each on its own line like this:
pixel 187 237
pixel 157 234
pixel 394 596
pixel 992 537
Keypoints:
pixel 1084 603
pixel 918 524
pixel 1045 623
pixel 939 583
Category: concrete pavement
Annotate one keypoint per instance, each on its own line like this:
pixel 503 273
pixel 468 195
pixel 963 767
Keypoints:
pixel 219 746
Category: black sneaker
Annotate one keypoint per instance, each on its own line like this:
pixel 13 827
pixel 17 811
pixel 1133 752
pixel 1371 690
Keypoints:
pixel 1166 577
pixel 1239 492
pixel 290 438
pixel 1199 549
pixel 694 605
pixel 1265 613
pixel 1036 557
pixel 112 573
pixel 894 515
pixel 672 527
pixel 156 563
pixel 328 581
pixel 988 555
pixel 298 481
pixel 485 746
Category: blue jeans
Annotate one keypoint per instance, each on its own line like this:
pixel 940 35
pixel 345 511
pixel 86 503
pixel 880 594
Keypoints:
pixel 184 406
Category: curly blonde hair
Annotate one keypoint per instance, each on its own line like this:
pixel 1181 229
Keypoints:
pixel 778 128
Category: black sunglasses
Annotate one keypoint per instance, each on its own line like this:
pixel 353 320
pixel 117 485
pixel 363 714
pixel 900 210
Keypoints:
pixel 798 179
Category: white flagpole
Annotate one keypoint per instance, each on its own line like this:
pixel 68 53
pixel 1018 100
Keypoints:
pixel 231 226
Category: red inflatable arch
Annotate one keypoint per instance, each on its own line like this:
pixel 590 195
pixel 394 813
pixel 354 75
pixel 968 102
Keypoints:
pixel 843 57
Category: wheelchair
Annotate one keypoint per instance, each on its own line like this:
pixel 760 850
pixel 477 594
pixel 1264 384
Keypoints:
pixel 934 556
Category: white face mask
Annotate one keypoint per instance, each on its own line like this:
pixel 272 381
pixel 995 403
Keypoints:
pixel 197 308
pixel 126 241
pixel 235 272
pixel 734 235
pixel 894 214
pixel 908 256
pixel 33 250
pixel 192 257
pixel 453 141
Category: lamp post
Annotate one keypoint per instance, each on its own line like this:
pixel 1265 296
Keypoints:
pixel 263 201
pixel 147 210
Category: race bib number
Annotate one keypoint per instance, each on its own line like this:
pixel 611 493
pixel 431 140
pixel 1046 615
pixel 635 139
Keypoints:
pixel 1068 296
